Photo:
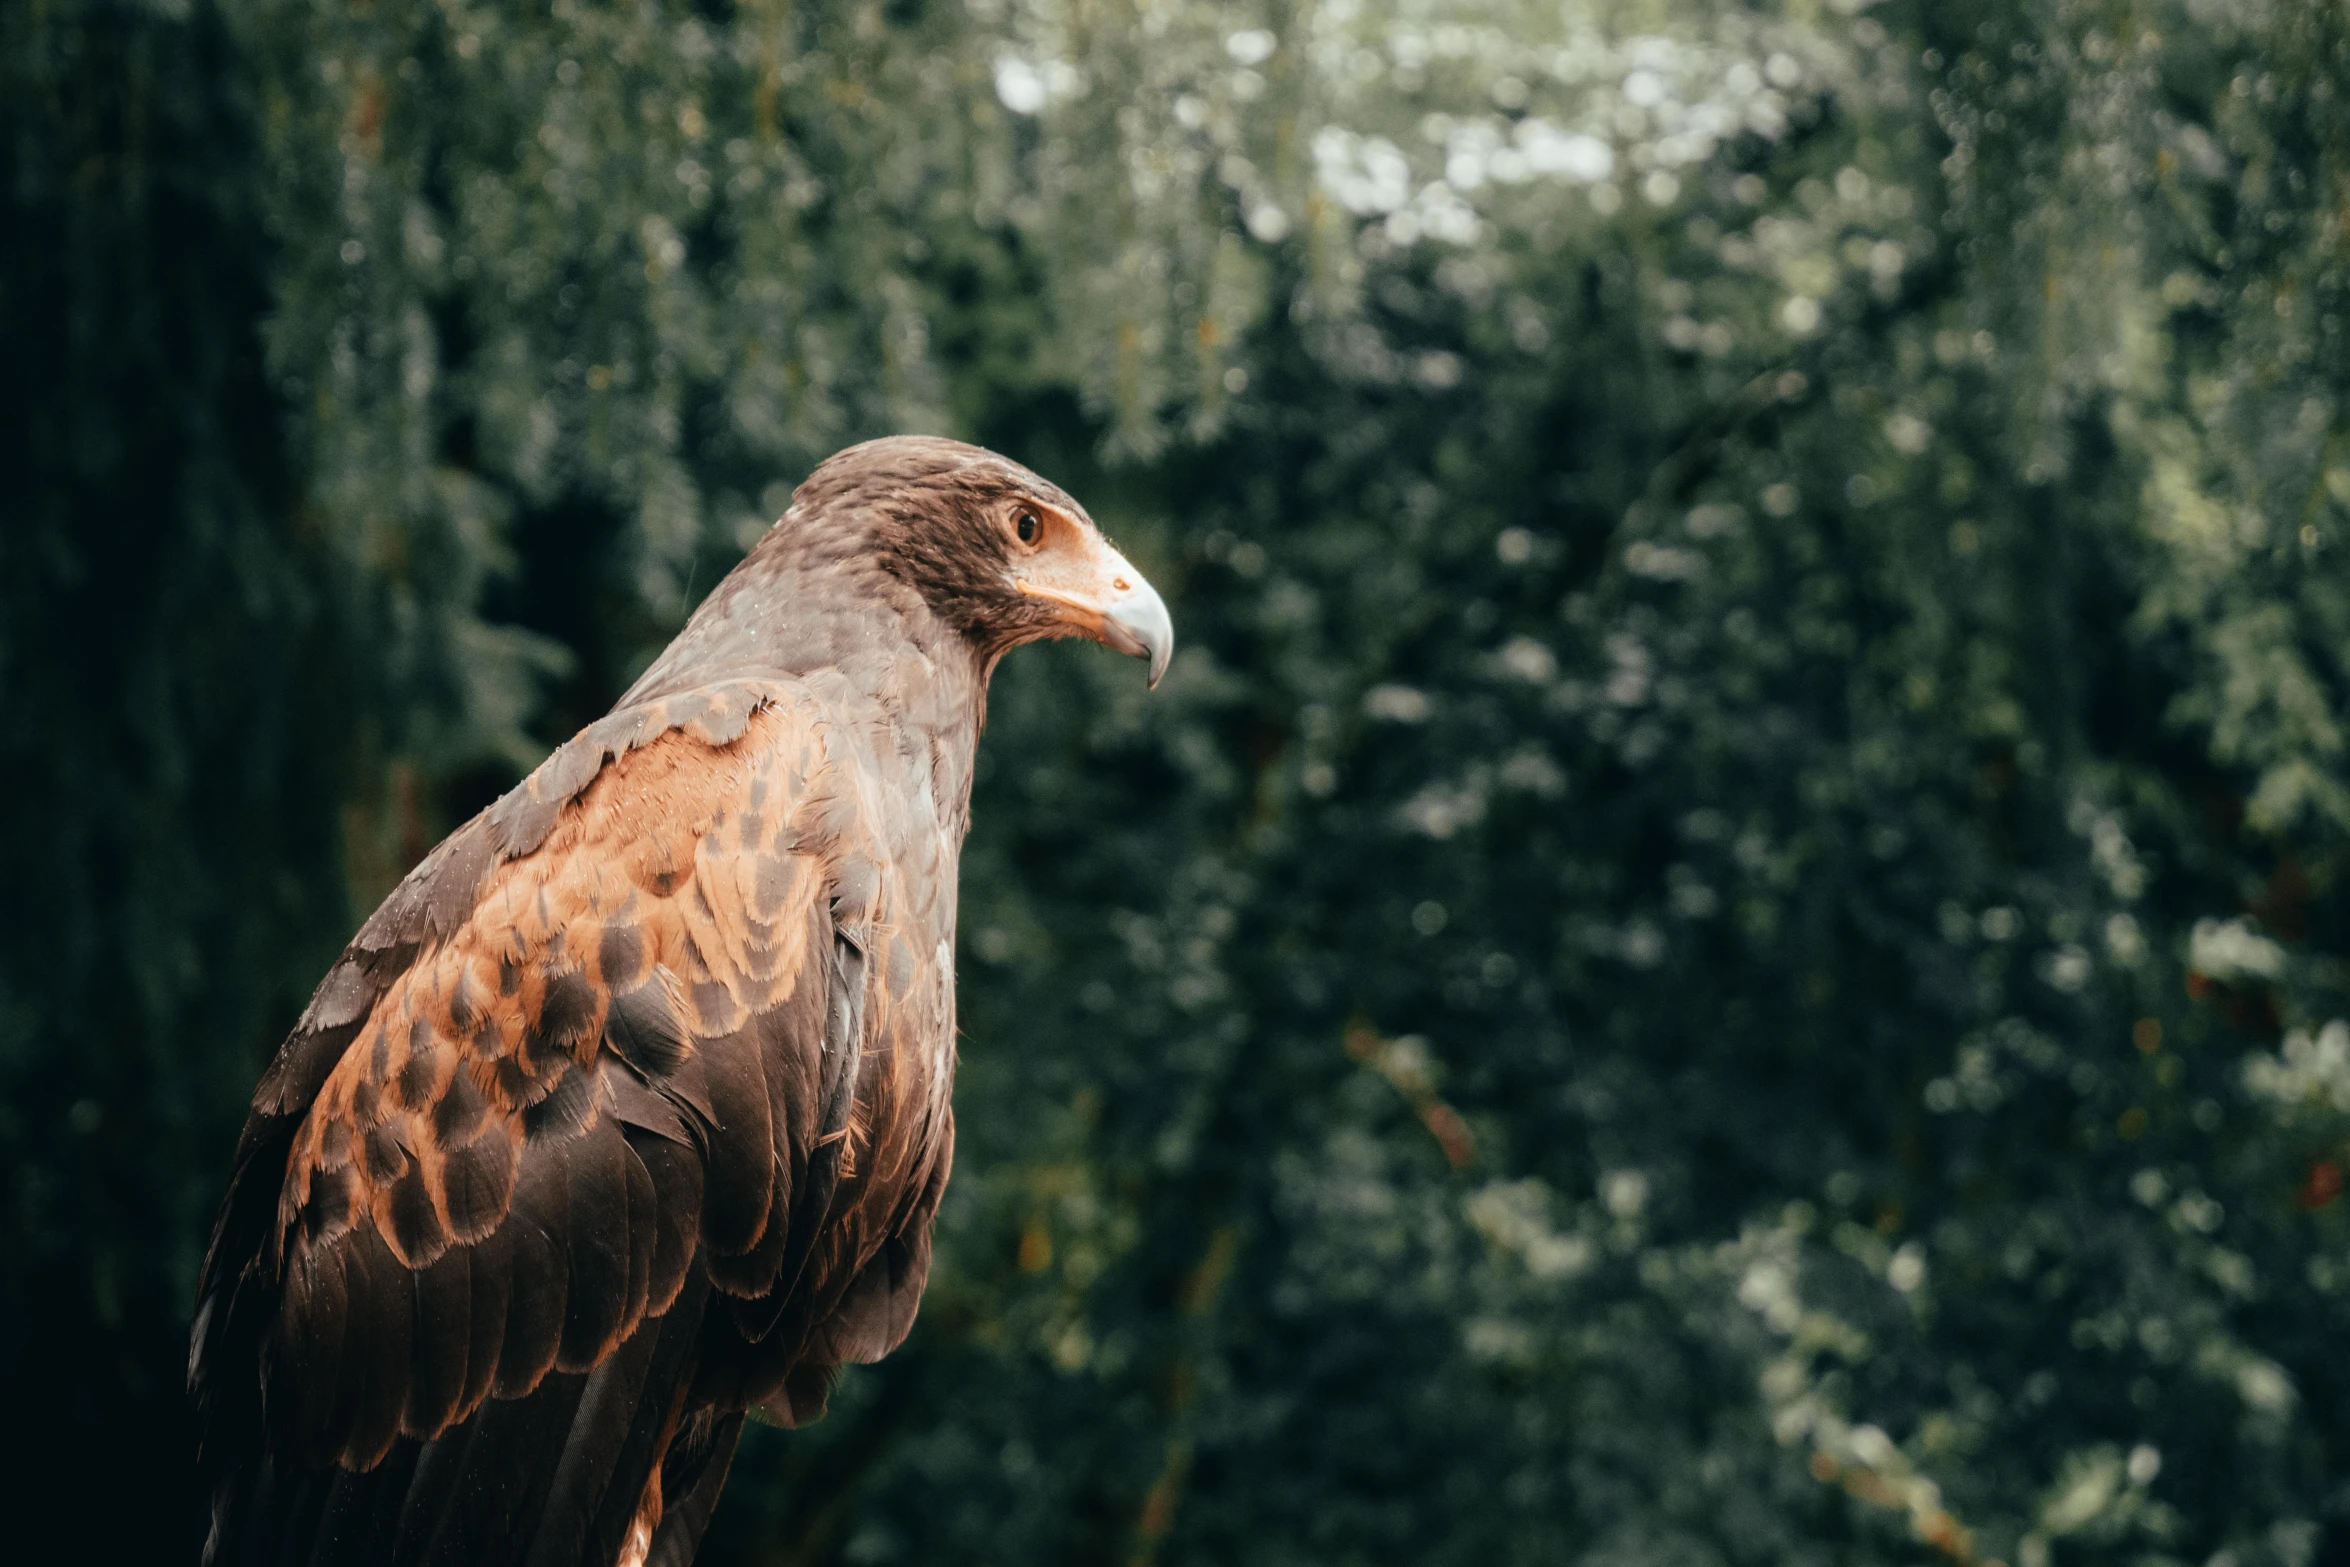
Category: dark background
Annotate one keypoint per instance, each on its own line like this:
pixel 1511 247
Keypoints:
pixel 1722 946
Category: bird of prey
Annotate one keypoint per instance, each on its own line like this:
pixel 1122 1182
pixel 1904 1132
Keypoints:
pixel 627 1112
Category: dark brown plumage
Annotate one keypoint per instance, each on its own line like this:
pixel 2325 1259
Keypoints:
pixel 627 1112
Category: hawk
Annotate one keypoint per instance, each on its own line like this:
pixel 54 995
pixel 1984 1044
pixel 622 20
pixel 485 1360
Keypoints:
pixel 628 1112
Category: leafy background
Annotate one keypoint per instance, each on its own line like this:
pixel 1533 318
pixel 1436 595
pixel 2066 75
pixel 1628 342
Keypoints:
pixel 1725 943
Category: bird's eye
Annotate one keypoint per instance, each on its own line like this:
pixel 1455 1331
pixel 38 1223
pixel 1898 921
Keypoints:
pixel 1027 527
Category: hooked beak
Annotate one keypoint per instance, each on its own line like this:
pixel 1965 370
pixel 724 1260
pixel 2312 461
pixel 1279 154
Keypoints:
pixel 1137 625
pixel 1112 604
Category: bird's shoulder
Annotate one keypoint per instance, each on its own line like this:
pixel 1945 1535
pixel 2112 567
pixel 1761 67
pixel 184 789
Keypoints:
pixel 628 799
pixel 665 877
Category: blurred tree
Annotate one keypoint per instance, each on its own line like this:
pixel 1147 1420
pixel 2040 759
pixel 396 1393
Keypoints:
pixel 175 743
pixel 1724 943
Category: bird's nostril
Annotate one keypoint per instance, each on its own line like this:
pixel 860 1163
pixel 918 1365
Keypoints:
pixel 1121 584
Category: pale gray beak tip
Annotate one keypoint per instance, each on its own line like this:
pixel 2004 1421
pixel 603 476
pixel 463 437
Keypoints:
pixel 1142 616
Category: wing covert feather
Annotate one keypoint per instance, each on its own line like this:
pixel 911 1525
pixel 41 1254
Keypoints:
pixel 571 1051
pixel 583 1069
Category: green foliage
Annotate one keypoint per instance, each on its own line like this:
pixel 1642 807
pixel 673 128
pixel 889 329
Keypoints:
pixel 1722 944
pixel 176 708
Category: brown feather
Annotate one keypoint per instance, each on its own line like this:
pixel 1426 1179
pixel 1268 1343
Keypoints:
pixel 441 1341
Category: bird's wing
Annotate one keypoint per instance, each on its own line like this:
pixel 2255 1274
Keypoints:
pixel 593 1066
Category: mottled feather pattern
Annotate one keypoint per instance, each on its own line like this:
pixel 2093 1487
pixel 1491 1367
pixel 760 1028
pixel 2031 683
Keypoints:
pixel 624 1028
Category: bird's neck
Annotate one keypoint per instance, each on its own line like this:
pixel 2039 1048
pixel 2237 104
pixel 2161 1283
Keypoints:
pixel 863 641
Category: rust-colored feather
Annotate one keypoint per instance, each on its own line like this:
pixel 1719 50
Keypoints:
pixel 611 1060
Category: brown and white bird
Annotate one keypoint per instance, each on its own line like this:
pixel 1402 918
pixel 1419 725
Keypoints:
pixel 627 1112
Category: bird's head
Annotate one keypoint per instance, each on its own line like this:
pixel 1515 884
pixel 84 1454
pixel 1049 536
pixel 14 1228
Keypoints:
pixel 1002 555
